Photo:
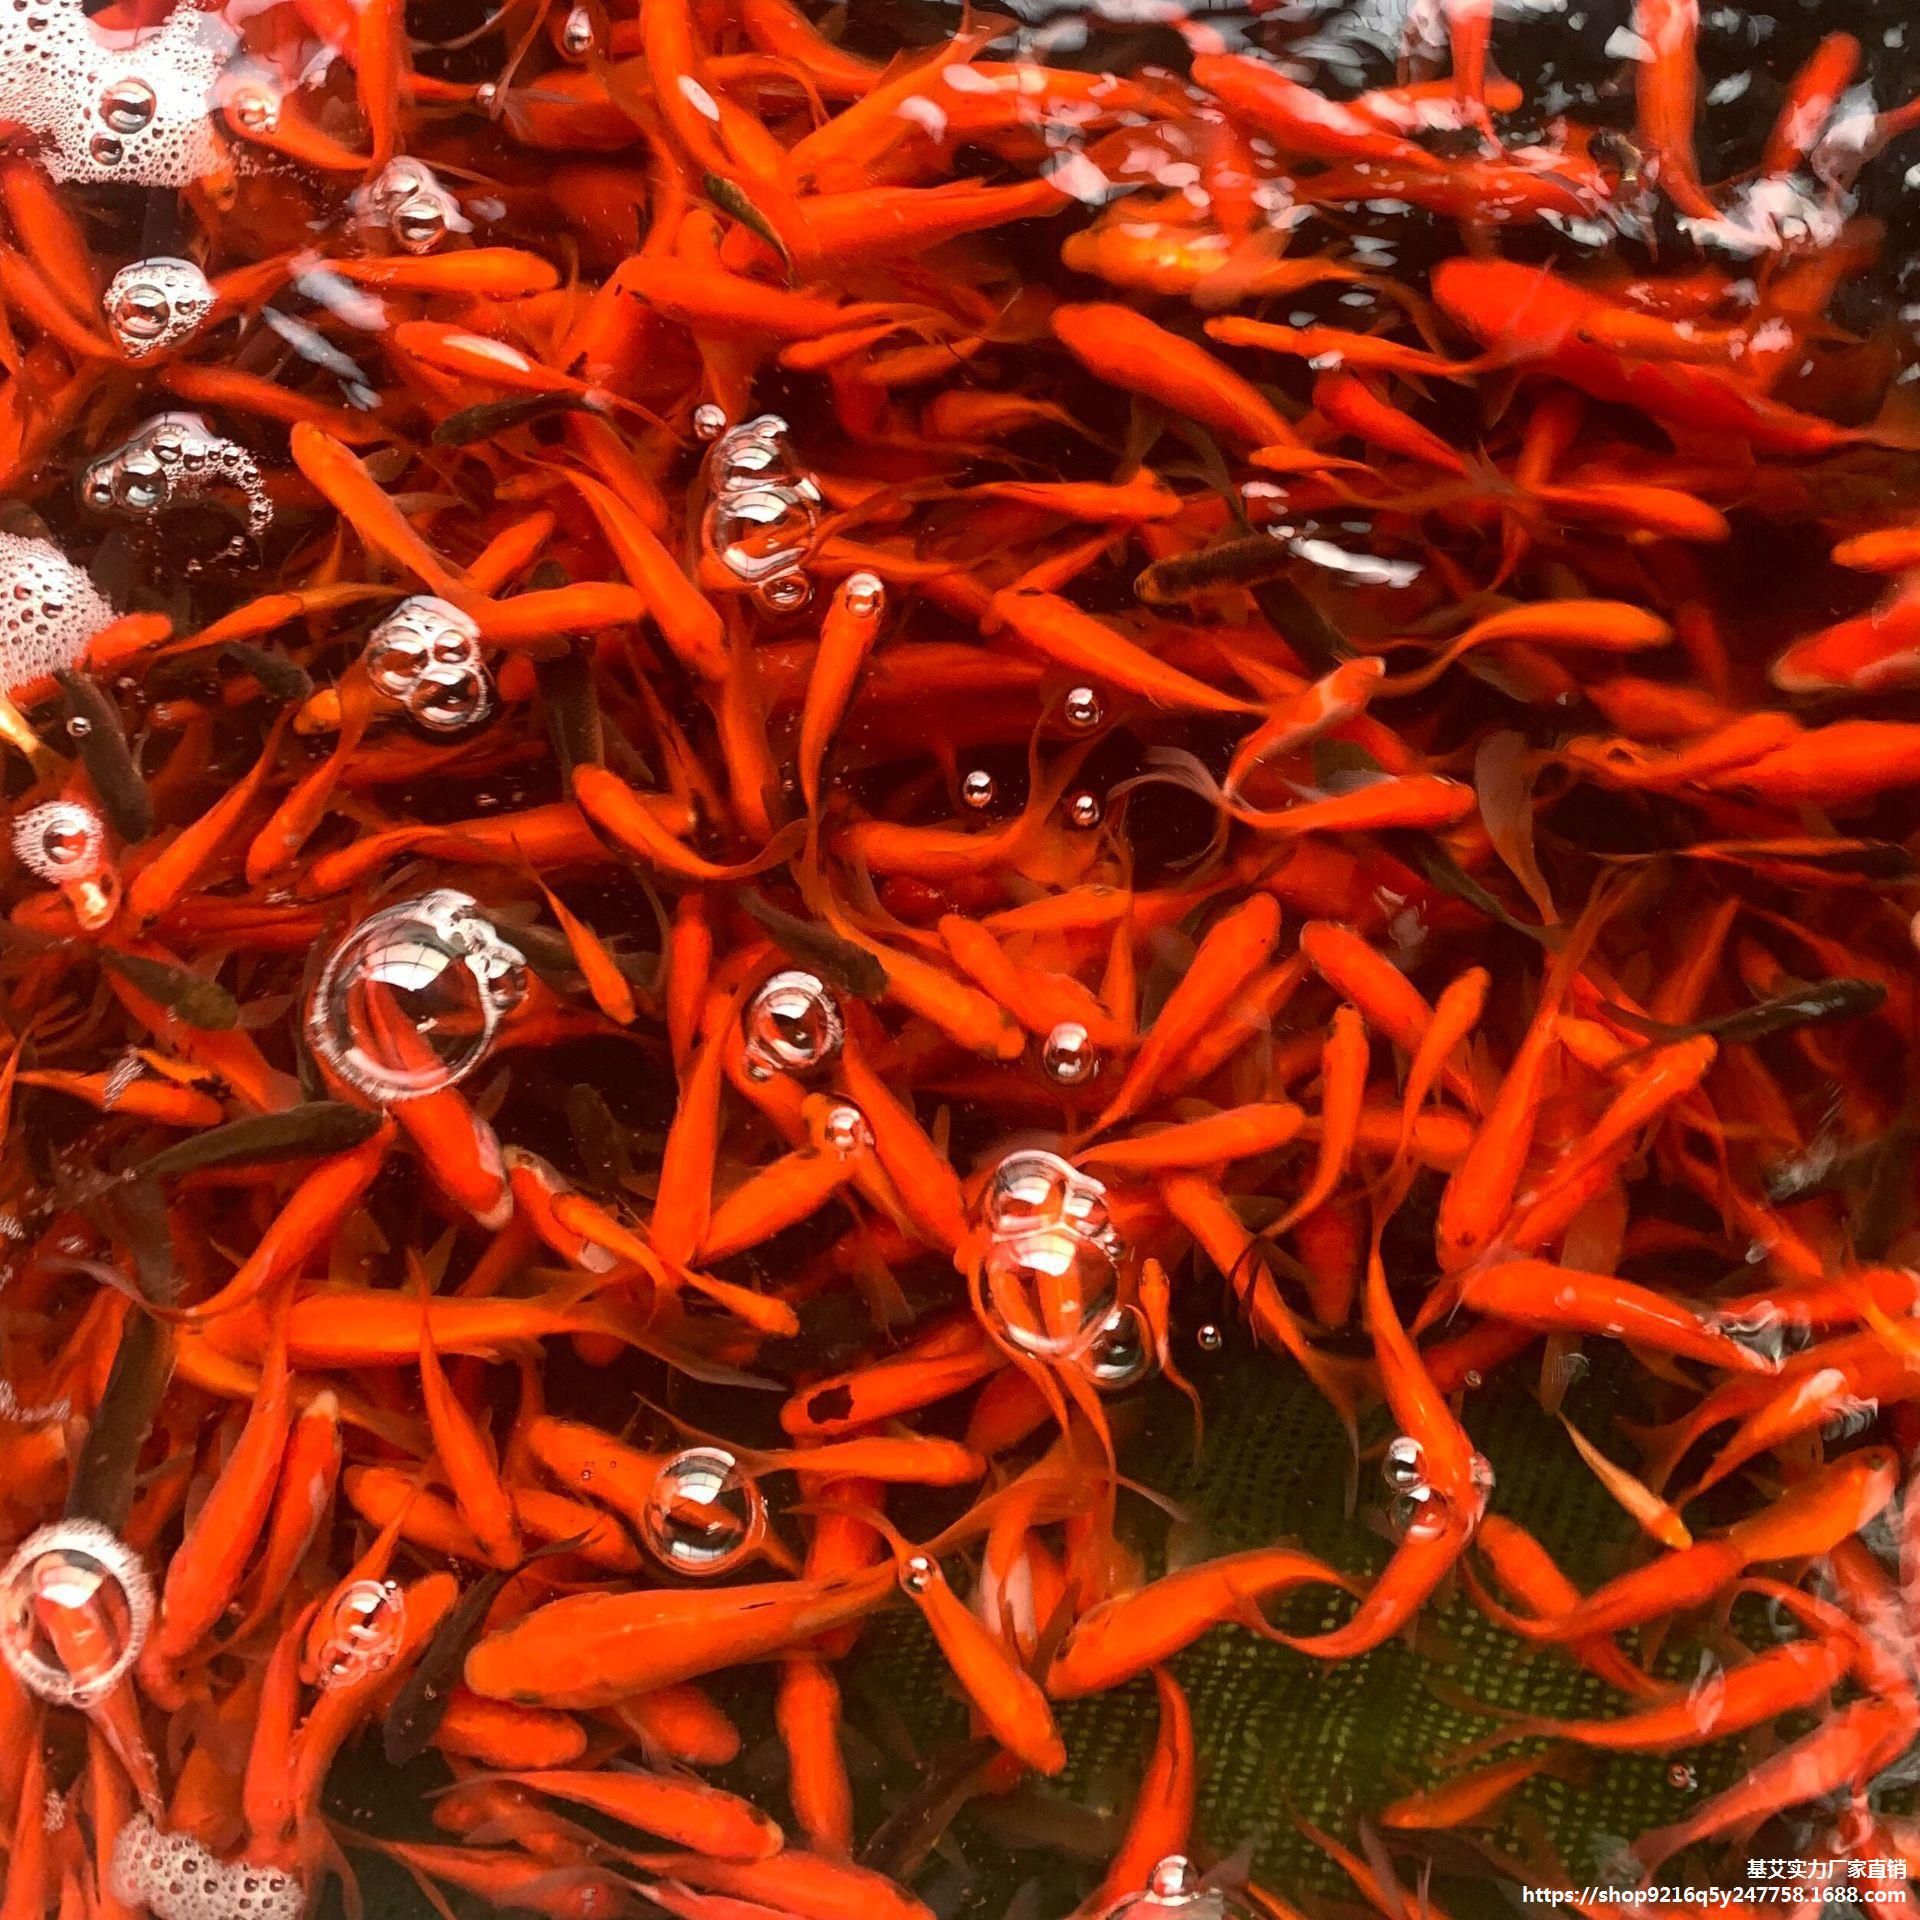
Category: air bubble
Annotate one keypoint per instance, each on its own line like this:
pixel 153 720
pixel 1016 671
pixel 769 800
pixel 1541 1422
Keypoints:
pixel 1209 1338
pixel 365 1627
pixel 175 460
pixel 977 789
pixel 49 611
pixel 709 421
pixel 863 594
pixel 406 200
pixel 410 1001
pixel 1082 708
pixel 917 1574
pixel 704 1513
pixel 1405 1463
pixel 845 1129
pixel 1682 1777
pixel 127 105
pixel 1069 1056
pixel 785 592
pixel 425 656
pixel 762 511
pixel 1083 809
pixel 155 304
pixel 1175 1891
pixel 577 36
pixel 792 1025
pixel 75 1606
pixel 61 842
pixel 1050 1271
pixel 1121 1355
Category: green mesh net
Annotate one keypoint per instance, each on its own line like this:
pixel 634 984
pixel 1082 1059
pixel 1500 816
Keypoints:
pixel 1284 1738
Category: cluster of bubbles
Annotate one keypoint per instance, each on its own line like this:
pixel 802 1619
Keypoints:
pixel 171 461
pixel 406 201
pixel 791 1025
pixel 1420 1510
pixel 1050 1270
pixel 1175 1890
pixel 411 1000
pixel 704 1514
pixel 175 1878
pixel 60 842
pixel 152 305
pixel 75 1607
pixel 426 657
pixel 365 1625
pixel 762 508
pixel 108 111
pixel 49 610
pixel 64 843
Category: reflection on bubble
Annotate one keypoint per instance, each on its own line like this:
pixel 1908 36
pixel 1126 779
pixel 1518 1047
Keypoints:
pixel 704 1513
pixel 792 1025
pixel 155 304
pixel 1050 1270
pixel 75 1606
pixel 406 201
pixel 61 842
pixel 426 657
pixel 365 1626
pixel 1121 1353
pixel 410 1001
pixel 174 460
pixel 1069 1055
pixel 762 510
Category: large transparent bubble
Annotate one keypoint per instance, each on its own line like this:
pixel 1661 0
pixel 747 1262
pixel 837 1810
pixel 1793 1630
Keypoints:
pixel 75 1606
pixel 704 1513
pixel 1050 1270
pixel 411 999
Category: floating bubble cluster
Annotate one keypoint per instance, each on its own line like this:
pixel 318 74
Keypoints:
pixel 173 461
pixel 61 841
pixel 1051 1270
pixel 134 113
pixel 704 1513
pixel 151 305
pixel 1420 1509
pixel 365 1627
pixel 176 1878
pixel 64 843
pixel 410 1000
pixel 407 202
pixel 49 610
pixel 762 511
pixel 426 656
pixel 792 1025
pixel 75 1606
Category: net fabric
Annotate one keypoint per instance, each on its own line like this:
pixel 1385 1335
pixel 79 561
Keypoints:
pixel 1281 1735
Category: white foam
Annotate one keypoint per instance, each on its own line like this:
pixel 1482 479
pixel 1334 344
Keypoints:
pixel 108 106
pixel 49 609
pixel 178 1879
